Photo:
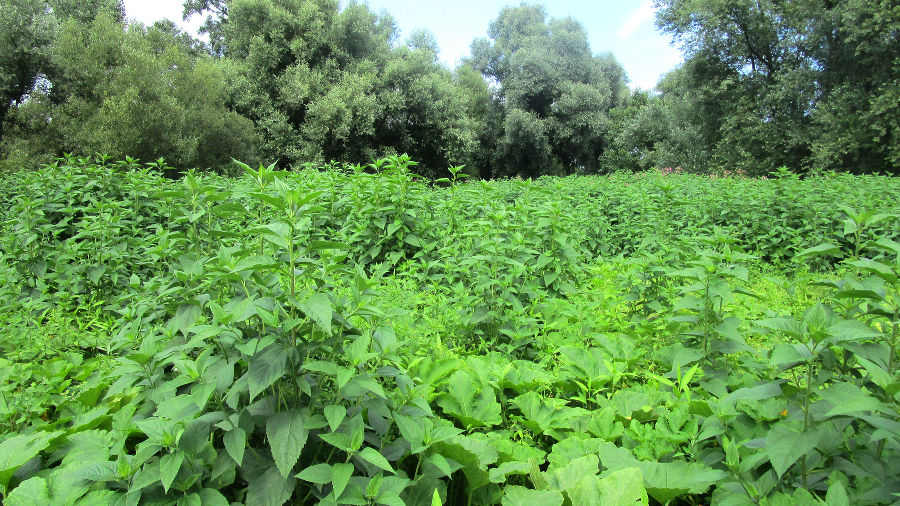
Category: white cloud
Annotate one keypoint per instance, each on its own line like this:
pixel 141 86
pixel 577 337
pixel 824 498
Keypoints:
pixel 638 18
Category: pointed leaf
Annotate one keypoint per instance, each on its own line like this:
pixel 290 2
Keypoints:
pixel 335 414
pixel 169 465
pixel 318 307
pixel 235 443
pixel 785 444
pixel 319 474
pixel 287 435
pixel 373 457
pixel 270 489
pixel 340 477
pixel 847 398
pixel 266 368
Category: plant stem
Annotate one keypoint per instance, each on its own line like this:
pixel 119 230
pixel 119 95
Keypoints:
pixel 806 415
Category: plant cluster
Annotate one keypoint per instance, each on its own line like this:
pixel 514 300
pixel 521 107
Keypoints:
pixel 357 335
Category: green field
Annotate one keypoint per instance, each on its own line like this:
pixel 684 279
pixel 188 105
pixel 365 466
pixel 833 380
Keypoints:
pixel 358 335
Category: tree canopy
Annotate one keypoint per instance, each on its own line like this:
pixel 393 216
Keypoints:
pixel 810 85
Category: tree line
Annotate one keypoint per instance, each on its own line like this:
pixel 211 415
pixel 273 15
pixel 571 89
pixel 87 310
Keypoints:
pixel 807 84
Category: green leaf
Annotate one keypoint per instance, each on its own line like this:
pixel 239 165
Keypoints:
pixel 169 465
pixel 877 268
pixel 185 316
pixel 852 330
pixel 624 487
pixel 471 404
pixel 318 307
pixel 412 430
pixel 340 477
pixel 837 495
pixel 266 368
pixel 373 457
pixel 663 480
pixel 335 414
pixel 324 245
pixel 31 492
pixel 514 495
pixel 501 472
pixel 319 474
pixel 18 450
pixel 566 477
pixel 786 443
pixel 436 499
pixel 822 249
pixel 542 415
pixel 847 398
pixel 287 436
pixel 254 263
pixel 270 489
pixel 212 497
pixel 235 443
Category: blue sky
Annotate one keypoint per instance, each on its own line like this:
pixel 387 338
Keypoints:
pixel 623 27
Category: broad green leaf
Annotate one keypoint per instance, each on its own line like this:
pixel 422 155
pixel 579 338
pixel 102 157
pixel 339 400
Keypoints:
pixel 852 330
pixel 31 492
pixel 474 454
pixel 212 497
pixel 787 355
pixel 470 403
pixel 786 443
pixel 287 436
pixel 324 245
pixel 270 489
pixel 573 448
pixel 847 398
pixel 190 500
pixel 18 450
pixel 822 249
pixel 624 487
pixel 877 268
pixel 335 414
pixel 169 465
pixel 318 307
pixel 235 443
pixel 371 456
pixel 361 384
pixel 544 414
pixel 412 430
pixel 663 480
pixel 442 464
pixel 514 495
pixel 266 368
pixel 837 495
pixel 566 477
pixel 319 474
pixel 254 263
pixel 340 477
pixel 185 316
pixel 501 472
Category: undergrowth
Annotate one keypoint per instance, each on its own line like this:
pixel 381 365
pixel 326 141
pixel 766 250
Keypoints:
pixel 362 336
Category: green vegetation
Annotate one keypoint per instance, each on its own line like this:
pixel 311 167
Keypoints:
pixel 357 335
pixel 809 85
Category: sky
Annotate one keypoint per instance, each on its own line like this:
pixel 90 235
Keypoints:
pixel 622 27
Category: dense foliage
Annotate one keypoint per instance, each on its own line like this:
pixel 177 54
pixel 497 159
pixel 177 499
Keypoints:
pixel 809 85
pixel 360 336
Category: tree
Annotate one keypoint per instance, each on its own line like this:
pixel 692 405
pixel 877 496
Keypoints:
pixel 131 91
pixel 807 84
pixel 556 94
pixel 27 28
